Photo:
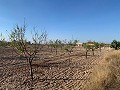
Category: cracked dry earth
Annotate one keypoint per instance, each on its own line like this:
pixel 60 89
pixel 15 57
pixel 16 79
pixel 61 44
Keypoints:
pixel 52 73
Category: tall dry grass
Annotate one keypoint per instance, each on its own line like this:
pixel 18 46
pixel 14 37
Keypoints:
pixel 106 75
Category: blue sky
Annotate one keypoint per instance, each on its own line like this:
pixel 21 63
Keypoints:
pixel 97 20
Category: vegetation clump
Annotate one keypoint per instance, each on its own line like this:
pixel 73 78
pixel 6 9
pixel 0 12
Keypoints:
pixel 106 75
pixel 115 44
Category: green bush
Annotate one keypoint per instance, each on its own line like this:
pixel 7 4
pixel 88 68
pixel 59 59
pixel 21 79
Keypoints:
pixel 115 44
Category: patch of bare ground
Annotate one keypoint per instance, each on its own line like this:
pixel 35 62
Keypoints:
pixel 51 72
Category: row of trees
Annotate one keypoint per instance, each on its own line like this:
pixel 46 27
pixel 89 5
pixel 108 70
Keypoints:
pixel 29 50
pixel 92 46
pixel 63 45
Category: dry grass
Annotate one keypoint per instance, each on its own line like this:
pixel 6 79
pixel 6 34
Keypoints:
pixel 106 75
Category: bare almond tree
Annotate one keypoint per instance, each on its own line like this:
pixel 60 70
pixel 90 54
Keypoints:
pixel 3 43
pixel 23 48
pixel 70 45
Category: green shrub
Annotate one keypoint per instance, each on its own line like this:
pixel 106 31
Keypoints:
pixel 115 44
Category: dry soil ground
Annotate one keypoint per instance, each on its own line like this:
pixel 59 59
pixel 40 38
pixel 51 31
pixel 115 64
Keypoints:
pixel 51 72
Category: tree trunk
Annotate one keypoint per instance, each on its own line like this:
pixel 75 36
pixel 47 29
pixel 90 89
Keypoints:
pixel 86 53
pixel 93 52
pixel 51 49
pixel 100 49
pixel 31 73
